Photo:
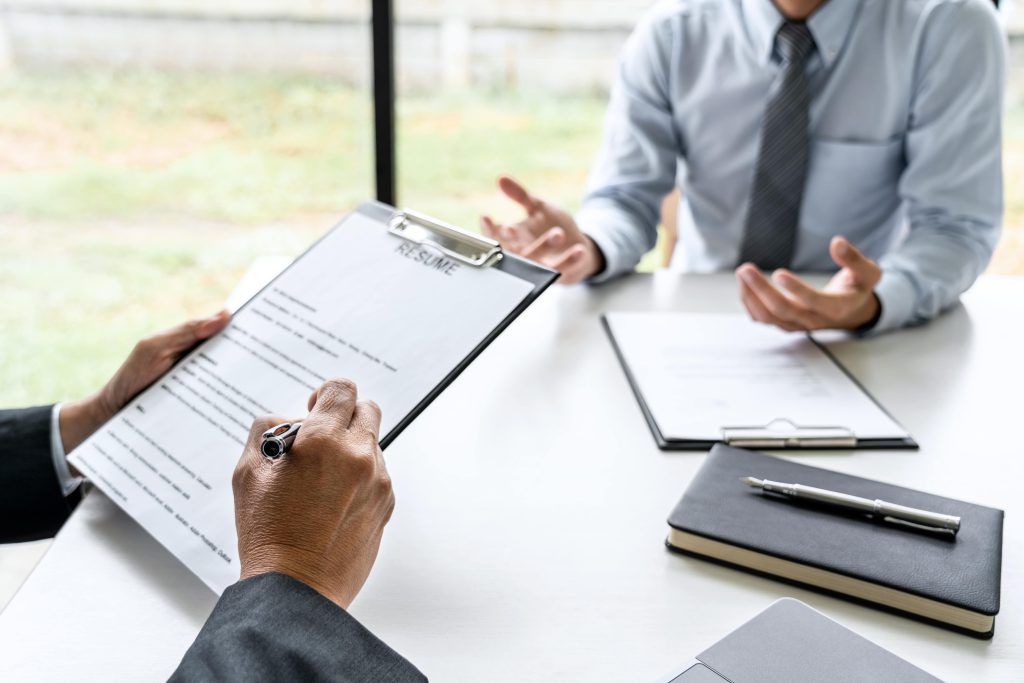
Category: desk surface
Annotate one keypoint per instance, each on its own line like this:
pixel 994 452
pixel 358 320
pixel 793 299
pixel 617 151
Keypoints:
pixel 527 542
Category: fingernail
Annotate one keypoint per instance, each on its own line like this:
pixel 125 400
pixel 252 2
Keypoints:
pixel 747 275
pixel 843 248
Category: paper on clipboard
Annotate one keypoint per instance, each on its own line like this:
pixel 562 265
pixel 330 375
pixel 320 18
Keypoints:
pixel 706 376
pixel 396 317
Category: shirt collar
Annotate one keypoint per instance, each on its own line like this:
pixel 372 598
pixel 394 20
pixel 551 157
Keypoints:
pixel 830 26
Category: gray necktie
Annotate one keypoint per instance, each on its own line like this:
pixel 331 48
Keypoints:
pixel 769 239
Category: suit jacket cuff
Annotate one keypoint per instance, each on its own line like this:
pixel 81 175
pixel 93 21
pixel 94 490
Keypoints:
pixel 32 502
pixel 274 628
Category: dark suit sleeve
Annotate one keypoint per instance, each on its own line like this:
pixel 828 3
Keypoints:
pixel 32 505
pixel 274 628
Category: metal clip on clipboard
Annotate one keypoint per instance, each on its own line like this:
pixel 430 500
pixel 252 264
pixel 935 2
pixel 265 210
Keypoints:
pixel 783 433
pixel 465 247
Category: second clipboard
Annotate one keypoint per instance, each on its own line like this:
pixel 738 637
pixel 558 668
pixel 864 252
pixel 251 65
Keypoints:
pixel 702 379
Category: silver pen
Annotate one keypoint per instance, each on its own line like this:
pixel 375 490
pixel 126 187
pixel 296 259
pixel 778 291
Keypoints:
pixel 877 508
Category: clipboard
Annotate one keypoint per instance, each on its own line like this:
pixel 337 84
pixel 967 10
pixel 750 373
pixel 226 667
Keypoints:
pixel 326 311
pixel 781 433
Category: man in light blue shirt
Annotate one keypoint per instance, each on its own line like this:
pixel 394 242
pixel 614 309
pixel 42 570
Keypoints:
pixel 875 149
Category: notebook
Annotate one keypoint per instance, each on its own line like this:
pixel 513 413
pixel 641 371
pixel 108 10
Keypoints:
pixel 951 581
pixel 791 643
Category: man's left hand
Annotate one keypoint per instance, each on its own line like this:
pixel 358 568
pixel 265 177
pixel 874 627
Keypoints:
pixel 847 302
pixel 151 357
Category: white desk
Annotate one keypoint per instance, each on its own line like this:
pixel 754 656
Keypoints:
pixel 527 543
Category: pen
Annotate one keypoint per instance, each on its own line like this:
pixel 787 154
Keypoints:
pixel 277 440
pixel 876 508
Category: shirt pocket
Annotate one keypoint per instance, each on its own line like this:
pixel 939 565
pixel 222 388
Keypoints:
pixel 852 187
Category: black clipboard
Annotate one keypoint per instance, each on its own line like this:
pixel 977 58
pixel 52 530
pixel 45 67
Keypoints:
pixel 816 438
pixel 459 247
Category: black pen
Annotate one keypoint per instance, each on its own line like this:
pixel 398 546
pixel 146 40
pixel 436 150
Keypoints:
pixel 277 440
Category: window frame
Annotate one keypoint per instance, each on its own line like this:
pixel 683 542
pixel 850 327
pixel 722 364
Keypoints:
pixel 383 39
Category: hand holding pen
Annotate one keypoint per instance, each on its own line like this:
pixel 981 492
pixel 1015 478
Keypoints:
pixel 318 514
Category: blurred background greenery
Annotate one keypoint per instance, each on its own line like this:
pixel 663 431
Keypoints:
pixel 129 201
pixel 132 199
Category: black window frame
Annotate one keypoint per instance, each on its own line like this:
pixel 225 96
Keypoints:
pixel 383 38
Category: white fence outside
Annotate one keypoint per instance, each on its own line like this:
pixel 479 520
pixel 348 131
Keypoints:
pixel 554 46
pixel 548 45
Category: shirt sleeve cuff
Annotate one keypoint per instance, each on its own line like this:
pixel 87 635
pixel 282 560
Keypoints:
pixel 615 234
pixel 896 294
pixel 68 483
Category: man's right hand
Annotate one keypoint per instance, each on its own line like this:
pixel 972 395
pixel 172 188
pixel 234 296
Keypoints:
pixel 548 235
pixel 317 513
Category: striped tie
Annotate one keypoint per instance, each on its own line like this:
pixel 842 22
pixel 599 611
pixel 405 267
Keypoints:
pixel 769 239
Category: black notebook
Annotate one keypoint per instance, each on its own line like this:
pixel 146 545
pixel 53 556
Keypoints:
pixel 945 580
pixel 791 643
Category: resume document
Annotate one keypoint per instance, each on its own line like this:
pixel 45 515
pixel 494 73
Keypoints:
pixel 362 303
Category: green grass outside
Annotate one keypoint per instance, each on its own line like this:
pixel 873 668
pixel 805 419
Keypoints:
pixel 131 201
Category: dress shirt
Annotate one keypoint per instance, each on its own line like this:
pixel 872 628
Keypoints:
pixel 68 483
pixel 905 151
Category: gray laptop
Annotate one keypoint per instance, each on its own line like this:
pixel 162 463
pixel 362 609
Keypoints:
pixel 791 643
